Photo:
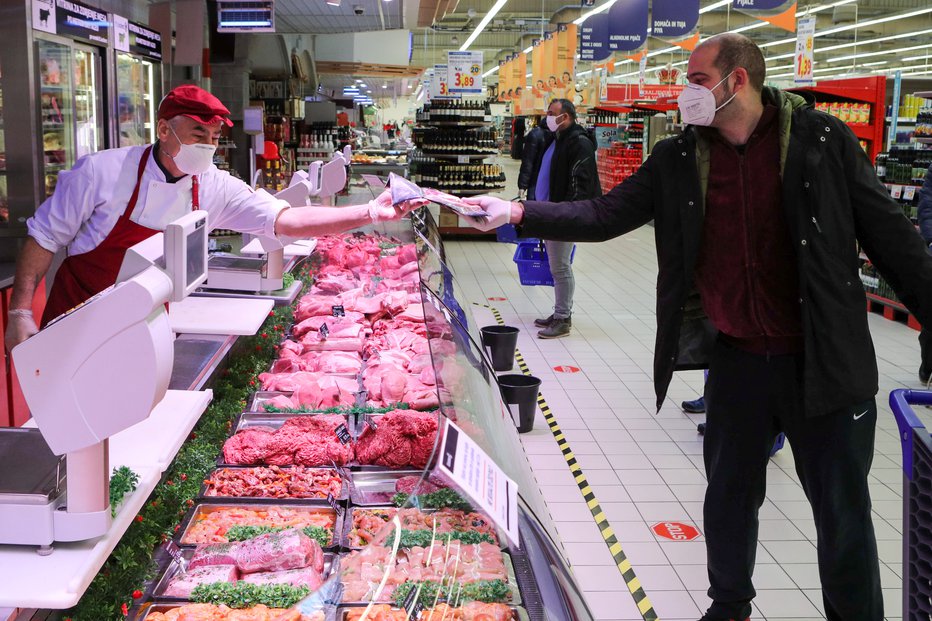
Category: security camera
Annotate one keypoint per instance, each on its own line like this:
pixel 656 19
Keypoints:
pixel 359 9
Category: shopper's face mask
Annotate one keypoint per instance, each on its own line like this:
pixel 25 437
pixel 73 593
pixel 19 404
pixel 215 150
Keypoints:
pixel 193 159
pixel 697 103
pixel 552 123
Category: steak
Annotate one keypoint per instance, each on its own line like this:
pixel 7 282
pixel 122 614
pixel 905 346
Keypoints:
pixel 286 549
pixel 182 584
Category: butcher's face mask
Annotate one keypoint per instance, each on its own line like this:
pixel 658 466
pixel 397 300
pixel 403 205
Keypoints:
pixel 193 159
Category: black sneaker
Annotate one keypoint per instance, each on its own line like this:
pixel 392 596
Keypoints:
pixel 558 328
pixel 544 323
pixel 697 406
pixel 714 614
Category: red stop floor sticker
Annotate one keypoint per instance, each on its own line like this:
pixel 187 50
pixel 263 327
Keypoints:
pixel 497 299
pixel 566 369
pixel 677 531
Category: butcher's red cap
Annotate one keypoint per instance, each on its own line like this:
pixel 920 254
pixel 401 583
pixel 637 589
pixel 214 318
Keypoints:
pixel 195 103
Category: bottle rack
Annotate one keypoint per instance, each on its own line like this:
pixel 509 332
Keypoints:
pixel 452 139
pixel 620 159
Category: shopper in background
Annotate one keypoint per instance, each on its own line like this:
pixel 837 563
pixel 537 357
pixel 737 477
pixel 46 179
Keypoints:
pixel 757 208
pixel 924 213
pixel 116 198
pixel 535 144
pixel 567 172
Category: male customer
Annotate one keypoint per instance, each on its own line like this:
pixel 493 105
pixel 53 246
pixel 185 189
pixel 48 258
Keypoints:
pixel 924 213
pixel 535 145
pixel 567 173
pixel 758 207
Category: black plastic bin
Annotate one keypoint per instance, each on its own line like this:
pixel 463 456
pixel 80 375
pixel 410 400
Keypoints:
pixel 501 341
pixel 521 390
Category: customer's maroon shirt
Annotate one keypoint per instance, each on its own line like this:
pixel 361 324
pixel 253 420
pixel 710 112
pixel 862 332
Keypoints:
pixel 747 270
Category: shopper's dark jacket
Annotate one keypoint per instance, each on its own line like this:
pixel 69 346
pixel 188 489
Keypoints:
pixel 573 174
pixel 535 144
pixel 924 210
pixel 833 200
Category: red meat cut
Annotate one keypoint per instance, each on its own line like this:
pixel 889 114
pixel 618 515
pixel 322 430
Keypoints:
pixel 403 438
pixel 287 549
pixel 302 440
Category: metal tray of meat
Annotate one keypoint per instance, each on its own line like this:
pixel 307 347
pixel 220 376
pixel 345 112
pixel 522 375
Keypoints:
pixel 254 404
pixel 170 570
pixel 400 614
pixel 509 572
pixel 345 489
pixel 251 420
pixel 348 519
pixel 371 488
pixel 143 612
pixel 201 510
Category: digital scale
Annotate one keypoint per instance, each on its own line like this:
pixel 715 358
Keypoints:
pixel 88 375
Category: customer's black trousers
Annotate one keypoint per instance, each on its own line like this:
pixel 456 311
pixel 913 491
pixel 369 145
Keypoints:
pixel 749 400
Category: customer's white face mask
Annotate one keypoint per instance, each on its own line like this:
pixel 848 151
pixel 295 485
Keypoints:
pixel 697 103
pixel 193 159
pixel 552 123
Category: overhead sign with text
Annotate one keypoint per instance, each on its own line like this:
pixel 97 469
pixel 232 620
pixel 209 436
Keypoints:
pixel 464 73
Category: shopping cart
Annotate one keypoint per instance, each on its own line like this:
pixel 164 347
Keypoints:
pixel 917 504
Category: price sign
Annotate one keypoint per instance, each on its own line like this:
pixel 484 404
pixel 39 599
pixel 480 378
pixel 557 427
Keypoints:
pixel 324 332
pixel 343 434
pixel 338 311
pixel 802 61
pixel 177 556
pixel 464 73
pixel 462 159
pixel 334 504
pixel 896 191
pixel 438 82
pixel 909 192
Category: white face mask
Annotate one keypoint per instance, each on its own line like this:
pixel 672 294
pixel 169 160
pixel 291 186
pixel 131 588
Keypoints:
pixel 552 123
pixel 697 103
pixel 193 159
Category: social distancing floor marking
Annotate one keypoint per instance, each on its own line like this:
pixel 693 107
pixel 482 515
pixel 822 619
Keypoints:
pixel 614 546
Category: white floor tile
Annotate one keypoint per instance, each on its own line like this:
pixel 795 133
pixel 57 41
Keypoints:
pixel 674 605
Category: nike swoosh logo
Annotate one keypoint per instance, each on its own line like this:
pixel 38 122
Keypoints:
pixel 857 416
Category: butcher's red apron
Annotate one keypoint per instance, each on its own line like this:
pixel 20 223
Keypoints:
pixel 83 276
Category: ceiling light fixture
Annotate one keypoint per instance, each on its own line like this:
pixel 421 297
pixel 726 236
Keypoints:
pixel 855 26
pixel 483 23
pixel 599 9
pixel 333 2
pixel 880 53
pixel 455 40
pixel 489 72
pixel 714 5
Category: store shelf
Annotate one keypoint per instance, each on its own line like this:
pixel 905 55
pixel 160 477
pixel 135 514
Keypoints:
pixel 892 310
pixel 905 120
pixel 923 139
pixel 923 94
pixel 433 124
pixel 148 448
pixel 453 156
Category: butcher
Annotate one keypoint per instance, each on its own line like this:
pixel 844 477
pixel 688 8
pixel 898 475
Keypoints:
pixel 111 200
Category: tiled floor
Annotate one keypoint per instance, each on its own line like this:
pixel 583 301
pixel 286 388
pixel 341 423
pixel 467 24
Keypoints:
pixel 647 467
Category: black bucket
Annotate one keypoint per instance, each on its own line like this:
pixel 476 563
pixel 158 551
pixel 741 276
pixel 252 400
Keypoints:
pixel 521 390
pixel 501 340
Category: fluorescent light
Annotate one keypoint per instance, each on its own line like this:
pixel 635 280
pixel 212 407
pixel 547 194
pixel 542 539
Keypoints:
pixel 842 46
pixel 906 60
pixel 855 26
pixel 363 85
pixel 529 75
pixel 599 9
pixel 489 72
pixel 527 50
pixel 880 53
pixel 482 24
pixel 714 5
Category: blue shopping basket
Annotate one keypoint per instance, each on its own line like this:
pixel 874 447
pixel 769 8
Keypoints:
pixel 533 267
pixel 917 504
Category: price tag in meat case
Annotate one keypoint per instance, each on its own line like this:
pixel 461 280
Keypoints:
pixel 367 418
pixel 175 552
pixel 343 434
pixel 338 311
pixel 464 73
pixel 324 331
pixel 334 504
pixel 411 605
pixel 909 192
pixel 480 478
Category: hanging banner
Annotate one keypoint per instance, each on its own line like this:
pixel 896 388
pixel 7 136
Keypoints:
pixel 143 41
pixel 549 52
pixel 502 80
pixel 802 61
pixel 519 79
pixel 567 37
pixel 438 83
pixel 676 22
pixel 642 71
pixel 464 73
pixel 627 25
pixel 538 79
pixel 780 13
pixel 594 38
pixel 72 19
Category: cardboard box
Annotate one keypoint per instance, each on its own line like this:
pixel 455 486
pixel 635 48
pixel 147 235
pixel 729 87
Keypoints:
pixel 449 219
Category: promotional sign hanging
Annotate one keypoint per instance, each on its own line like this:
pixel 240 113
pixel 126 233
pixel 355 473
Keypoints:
pixel 565 68
pixel 464 73
pixel 538 79
pixel 780 13
pixel 69 18
pixel 143 41
pixel 438 84
pixel 594 38
pixel 627 25
pixel 523 100
pixel 802 61
pixel 676 22
pixel 120 33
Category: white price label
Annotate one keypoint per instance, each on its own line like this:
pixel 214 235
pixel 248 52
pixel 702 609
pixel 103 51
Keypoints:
pixel 464 73
pixel 480 478
pixel 896 191
pixel 909 192
pixel 462 159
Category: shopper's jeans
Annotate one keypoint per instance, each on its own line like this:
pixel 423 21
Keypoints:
pixel 749 399
pixel 558 255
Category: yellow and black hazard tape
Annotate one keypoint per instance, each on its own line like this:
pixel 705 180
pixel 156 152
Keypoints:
pixel 614 546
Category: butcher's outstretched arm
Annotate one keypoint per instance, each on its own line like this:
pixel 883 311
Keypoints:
pixel 31 266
